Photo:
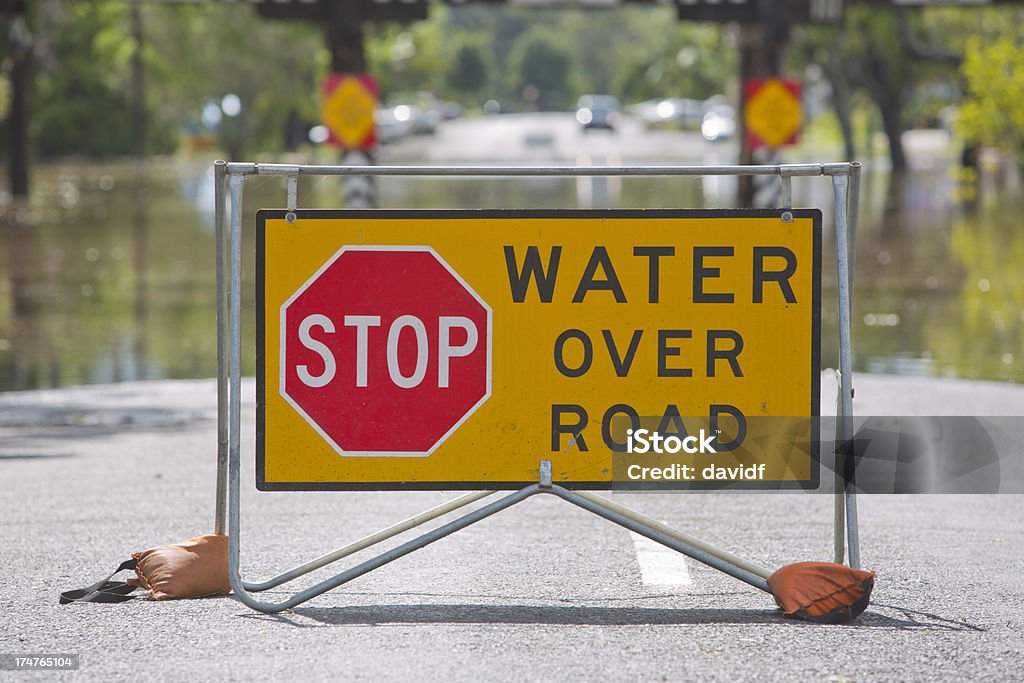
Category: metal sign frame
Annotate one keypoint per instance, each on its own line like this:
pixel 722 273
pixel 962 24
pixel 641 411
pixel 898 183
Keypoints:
pixel 229 179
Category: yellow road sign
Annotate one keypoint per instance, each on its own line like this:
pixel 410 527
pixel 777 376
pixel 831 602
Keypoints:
pixel 773 112
pixel 457 349
pixel 348 109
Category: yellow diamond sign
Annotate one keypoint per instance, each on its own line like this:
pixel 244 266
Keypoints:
pixel 773 112
pixel 348 108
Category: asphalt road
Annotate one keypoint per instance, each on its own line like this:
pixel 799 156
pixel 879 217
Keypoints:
pixel 542 592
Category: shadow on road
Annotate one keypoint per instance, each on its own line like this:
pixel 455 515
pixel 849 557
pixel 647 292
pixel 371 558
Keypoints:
pixel 372 615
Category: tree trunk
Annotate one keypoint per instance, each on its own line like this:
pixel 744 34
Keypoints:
pixel 841 99
pixel 761 47
pixel 892 124
pixel 18 119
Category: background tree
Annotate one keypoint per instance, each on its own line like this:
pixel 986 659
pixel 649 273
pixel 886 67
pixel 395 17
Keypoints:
pixel 470 70
pixel 897 57
pixel 199 54
pixel 406 59
pixel 993 109
pixel 992 112
pixel 541 60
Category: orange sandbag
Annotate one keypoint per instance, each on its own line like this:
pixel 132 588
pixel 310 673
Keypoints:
pixel 196 568
pixel 821 591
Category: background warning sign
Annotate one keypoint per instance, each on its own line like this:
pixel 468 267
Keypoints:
pixel 349 103
pixel 773 112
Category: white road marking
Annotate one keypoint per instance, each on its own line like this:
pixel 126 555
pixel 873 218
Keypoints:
pixel 660 566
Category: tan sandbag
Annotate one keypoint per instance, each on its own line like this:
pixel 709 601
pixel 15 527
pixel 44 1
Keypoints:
pixel 196 568
pixel 821 591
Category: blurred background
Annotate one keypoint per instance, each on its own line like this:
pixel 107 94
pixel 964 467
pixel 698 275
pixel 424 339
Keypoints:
pixel 114 110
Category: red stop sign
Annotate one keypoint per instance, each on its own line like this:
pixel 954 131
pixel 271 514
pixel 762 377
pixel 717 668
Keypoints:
pixel 386 350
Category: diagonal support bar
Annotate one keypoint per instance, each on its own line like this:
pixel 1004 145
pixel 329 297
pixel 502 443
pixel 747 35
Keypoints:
pixel 665 529
pixel 367 542
pixel 670 541
pixel 365 567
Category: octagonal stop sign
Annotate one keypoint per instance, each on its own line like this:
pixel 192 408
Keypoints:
pixel 385 350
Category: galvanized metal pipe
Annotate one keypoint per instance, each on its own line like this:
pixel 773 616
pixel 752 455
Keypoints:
pixel 840 186
pixel 600 509
pixel 852 212
pixel 367 541
pixel 234 373
pixel 676 534
pixel 371 564
pixel 786 170
pixel 839 485
pixel 222 252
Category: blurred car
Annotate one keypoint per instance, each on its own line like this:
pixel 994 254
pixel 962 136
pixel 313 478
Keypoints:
pixel 451 111
pixel 672 112
pixel 393 123
pixel 597 111
pixel 424 110
pixel 719 121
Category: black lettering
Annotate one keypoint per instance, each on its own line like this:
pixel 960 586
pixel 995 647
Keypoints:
pixel 574 430
pixel 702 272
pixel 588 353
pixel 599 257
pixel 519 280
pixel 762 276
pixel 670 418
pixel 732 354
pixel 664 351
pixel 622 365
pixel 653 255
pixel 606 425
pixel 741 426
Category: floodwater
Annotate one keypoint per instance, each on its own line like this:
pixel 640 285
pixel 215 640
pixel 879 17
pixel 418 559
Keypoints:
pixel 109 276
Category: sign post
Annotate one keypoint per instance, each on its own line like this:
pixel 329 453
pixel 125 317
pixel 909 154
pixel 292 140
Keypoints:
pixel 772 118
pixel 347 110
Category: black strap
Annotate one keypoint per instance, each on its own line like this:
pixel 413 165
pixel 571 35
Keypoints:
pixel 103 590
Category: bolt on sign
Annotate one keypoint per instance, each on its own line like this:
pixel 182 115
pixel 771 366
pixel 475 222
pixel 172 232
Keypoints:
pixel 458 349
pixel 773 113
pixel 347 109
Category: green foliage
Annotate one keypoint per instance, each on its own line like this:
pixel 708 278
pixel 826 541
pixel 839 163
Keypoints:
pixel 470 71
pixel 195 54
pixel 83 92
pixel 993 111
pixel 410 58
pixel 896 62
pixel 635 52
pixel 82 106
pixel 688 61
pixel 539 59
pixel 201 53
